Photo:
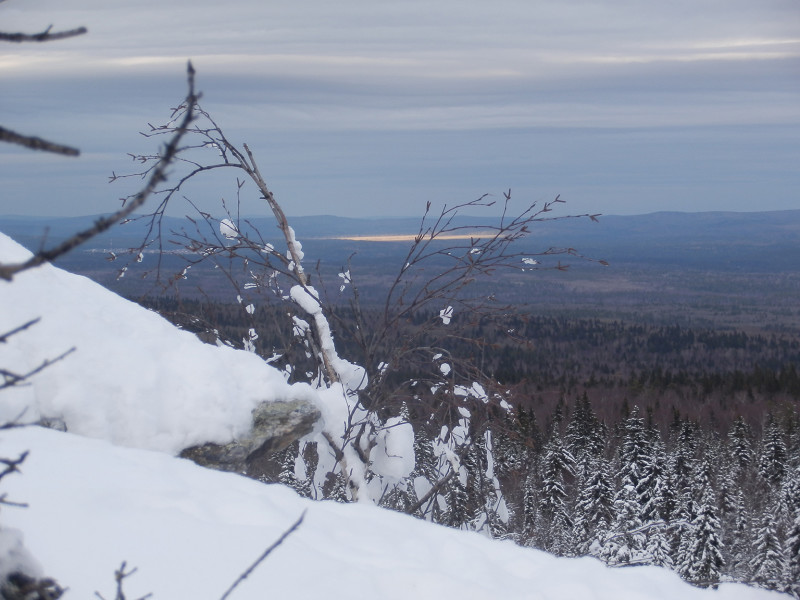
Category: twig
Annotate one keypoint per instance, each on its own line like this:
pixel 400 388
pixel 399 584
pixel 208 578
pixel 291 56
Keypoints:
pixel 4 337
pixel 36 143
pixel 119 576
pixel 11 379
pixel 44 36
pixel 264 555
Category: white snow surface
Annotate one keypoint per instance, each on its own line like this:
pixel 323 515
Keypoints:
pixel 191 532
pixel 134 379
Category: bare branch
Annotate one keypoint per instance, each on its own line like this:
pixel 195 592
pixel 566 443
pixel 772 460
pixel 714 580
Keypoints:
pixel 264 555
pixel 4 337
pixel 119 576
pixel 11 379
pixel 45 36
pixel 157 176
pixel 36 143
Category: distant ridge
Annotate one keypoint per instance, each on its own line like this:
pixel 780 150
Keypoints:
pixel 753 241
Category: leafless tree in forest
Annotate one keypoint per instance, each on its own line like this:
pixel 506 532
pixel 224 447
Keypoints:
pixel 445 259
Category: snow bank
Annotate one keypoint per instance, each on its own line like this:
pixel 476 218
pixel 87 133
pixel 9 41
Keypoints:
pixel 192 531
pixel 134 379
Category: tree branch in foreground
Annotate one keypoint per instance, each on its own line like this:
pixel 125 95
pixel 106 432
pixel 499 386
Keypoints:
pixel 36 143
pixel 44 36
pixel 119 575
pixel 157 176
pixel 264 555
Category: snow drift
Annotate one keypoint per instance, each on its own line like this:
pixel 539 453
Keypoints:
pixel 134 379
pixel 191 532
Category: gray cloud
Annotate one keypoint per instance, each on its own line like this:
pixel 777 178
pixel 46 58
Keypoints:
pixel 625 106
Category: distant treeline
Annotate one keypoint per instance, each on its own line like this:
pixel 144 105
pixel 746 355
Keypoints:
pixel 707 375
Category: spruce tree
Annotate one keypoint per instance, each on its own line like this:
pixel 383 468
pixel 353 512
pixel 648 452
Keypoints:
pixel 658 548
pixel 768 562
pixel 703 561
pixel 654 492
pixel 773 460
pixel 635 451
pixel 457 499
pixel 585 435
pixel 594 507
pixel 792 556
pixel 529 510
pixel 740 445
pixel 627 543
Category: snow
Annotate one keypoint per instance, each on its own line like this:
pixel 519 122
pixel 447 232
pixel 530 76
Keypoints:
pixel 14 557
pixel 146 390
pixel 191 532
pixel 228 229
pixel 393 456
pixel 134 379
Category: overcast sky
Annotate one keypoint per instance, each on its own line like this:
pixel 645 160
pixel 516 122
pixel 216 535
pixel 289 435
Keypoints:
pixel 372 108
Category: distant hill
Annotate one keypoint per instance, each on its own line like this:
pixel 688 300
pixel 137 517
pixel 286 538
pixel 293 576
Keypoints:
pixel 718 268
pixel 758 241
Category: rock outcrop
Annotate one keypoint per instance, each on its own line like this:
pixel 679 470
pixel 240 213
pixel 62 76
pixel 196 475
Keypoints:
pixel 275 426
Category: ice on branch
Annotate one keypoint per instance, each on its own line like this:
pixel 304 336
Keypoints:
pixel 228 230
pixel 345 276
pixel 446 314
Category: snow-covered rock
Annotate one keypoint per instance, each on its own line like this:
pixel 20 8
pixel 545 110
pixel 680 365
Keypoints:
pixel 134 379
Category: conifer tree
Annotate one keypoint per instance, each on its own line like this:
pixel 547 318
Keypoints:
pixel 594 507
pixel 457 499
pixel 773 460
pixel 627 543
pixel 658 548
pixel 654 492
pixel 529 509
pixel 634 451
pixel 792 556
pixel 425 467
pixel 684 455
pixel 768 562
pixel 288 457
pixel 585 435
pixel 738 547
pixel 703 562
pixel 740 445
pixel 557 464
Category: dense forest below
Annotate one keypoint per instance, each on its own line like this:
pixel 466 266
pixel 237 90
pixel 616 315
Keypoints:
pixel 711 376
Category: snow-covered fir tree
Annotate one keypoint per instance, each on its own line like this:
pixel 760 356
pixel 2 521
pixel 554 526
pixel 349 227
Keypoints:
pixel 792 557
pixel 773 459
pixel 768 561
pixel 557 465
pixel 702 562
pixel 594 507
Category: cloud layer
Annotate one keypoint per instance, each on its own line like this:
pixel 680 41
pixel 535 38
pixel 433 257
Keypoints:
pixel 621 106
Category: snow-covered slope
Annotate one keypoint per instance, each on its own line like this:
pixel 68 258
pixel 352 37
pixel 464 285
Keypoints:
pixel 191 532
pixel 133 379
pixel 136 381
